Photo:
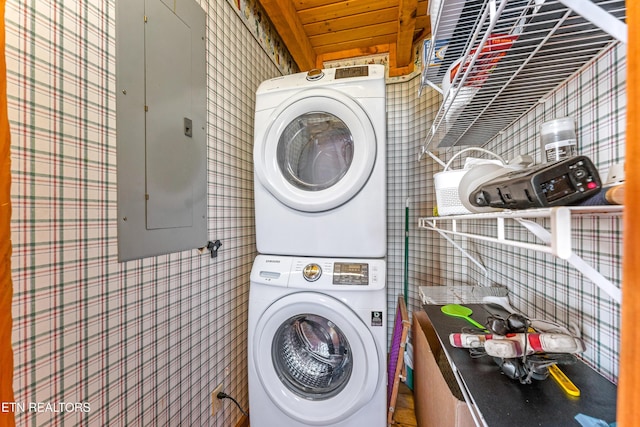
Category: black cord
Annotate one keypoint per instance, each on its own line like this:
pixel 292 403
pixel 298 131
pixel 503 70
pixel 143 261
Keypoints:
pixel 524 356
pixel 223 395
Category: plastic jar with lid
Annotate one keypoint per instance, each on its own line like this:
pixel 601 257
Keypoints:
pixel 558 139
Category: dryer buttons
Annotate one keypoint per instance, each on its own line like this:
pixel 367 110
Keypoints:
pixel 314 74
pixel 311 272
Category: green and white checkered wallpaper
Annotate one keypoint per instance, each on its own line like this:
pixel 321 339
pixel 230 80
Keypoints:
pixel 539 284
pixel 544 286
pixel 143 342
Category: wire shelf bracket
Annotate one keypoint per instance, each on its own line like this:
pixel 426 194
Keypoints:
pixel 557 241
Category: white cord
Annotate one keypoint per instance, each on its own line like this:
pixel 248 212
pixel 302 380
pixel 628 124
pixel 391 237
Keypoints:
pixel 473 149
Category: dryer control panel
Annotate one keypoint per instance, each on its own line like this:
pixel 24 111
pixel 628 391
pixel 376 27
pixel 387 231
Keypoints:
pixel 344 73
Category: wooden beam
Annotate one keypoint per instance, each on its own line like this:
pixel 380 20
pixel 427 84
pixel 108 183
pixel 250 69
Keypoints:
pixel 7 418
pixel 356 44
pixel 629 378
pixel 408 10
pixel 401 71
pixel 424 33
pixel 284 17
pixel 396 70
pixel 351 53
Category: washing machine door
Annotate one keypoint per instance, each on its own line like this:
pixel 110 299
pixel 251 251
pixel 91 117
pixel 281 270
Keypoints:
pixel 315 358
pixel 318 151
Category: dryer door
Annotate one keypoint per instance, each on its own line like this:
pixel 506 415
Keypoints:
pixel 318 151
pixel 315 358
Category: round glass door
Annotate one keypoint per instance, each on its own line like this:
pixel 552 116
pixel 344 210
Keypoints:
pixel 316 359
pixel 313 356
pixel 315 151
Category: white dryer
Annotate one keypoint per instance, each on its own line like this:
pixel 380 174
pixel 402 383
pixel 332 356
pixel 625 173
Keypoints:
pixel 317 342
pixel 319 159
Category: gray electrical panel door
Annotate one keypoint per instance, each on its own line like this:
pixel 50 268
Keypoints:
pixel 161 127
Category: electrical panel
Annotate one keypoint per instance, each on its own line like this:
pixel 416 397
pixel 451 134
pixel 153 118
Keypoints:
pixel 161 127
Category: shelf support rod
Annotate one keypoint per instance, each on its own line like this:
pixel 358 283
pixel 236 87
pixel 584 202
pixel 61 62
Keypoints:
pixel 558 244
pixel 578 263
pixel 599 17
pixel 597 278
pixel 463 251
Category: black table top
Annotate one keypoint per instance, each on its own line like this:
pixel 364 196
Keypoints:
pixel 503 401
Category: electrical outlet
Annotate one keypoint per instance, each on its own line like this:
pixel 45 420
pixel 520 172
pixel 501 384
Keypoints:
pixel 215 402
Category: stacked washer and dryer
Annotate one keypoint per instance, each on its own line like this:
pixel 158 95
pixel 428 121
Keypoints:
pixel 317 300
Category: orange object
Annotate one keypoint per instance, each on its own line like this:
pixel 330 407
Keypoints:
pixel 6 286
pixel 629 379
pixel 495 48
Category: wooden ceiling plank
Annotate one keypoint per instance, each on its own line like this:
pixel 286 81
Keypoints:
pixel 368 32
pixel 342 9
pixel 355 44
pixel 353 21
pixel 406 26
pixel 309 4
pixel 284 17
pixel 315 31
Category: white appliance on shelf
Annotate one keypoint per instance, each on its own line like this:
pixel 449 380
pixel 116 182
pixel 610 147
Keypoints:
pixel 317 342
pixel 319 159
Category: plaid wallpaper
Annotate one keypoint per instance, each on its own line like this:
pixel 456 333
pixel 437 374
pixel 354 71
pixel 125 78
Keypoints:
pixel 540 285
pixel 144 342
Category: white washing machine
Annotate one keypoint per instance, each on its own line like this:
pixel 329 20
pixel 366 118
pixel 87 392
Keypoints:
pixel 317 342
pixel 319 159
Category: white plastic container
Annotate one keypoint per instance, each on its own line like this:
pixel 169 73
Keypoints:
pixel 558 139
pixel 447 196
pixel 446 183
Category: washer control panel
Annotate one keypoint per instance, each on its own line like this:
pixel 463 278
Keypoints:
pixel 337 273
pixel 319 273
pixel 350 273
